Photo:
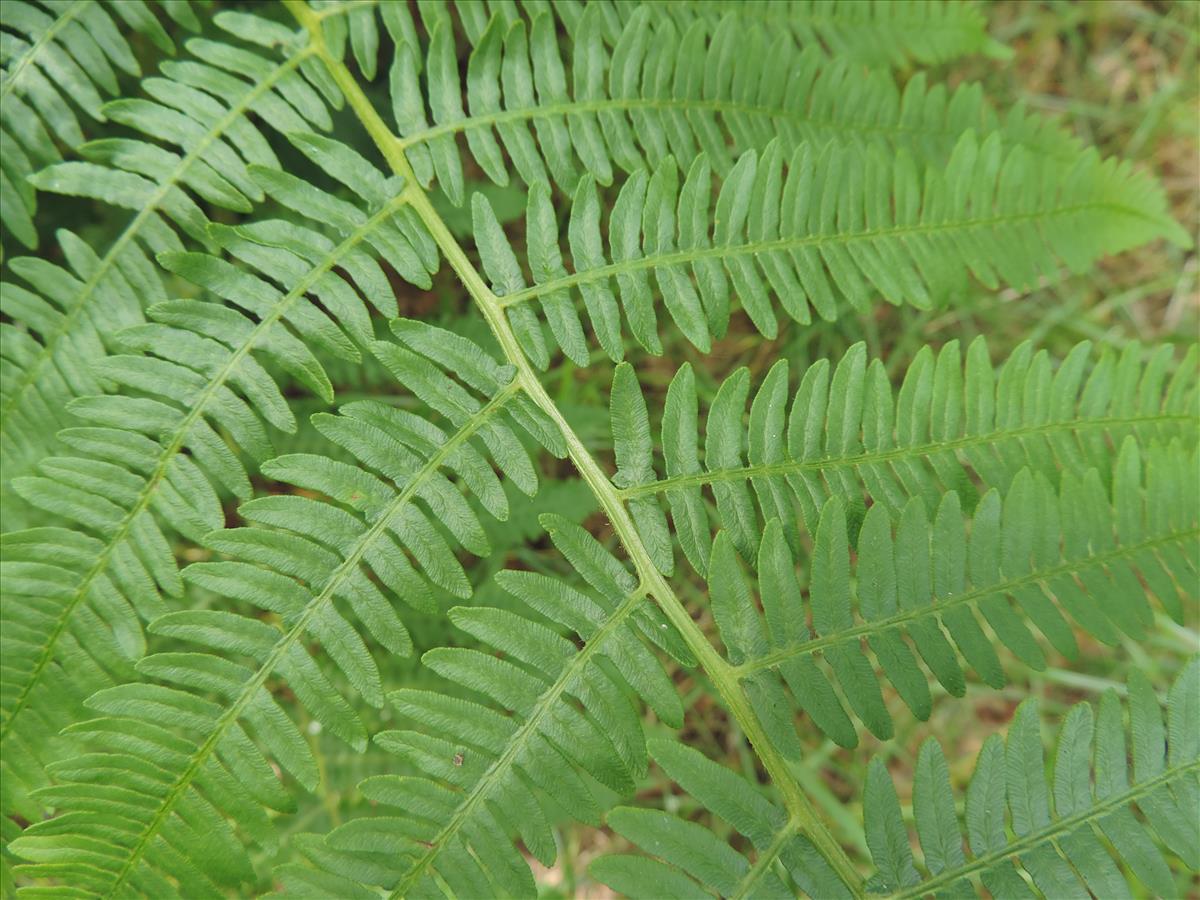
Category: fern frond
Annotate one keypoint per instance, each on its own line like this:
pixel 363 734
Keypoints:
pixel 926 579
pixel 301 560
pixel 57 320
pixel 155 458
pixel 845 432
pixel 195 145
pixel 396 446
pixel 1061 834
pixel 55 52
pixel 1064 851
pixel 647 81
pixel 824 226
pixel 565 718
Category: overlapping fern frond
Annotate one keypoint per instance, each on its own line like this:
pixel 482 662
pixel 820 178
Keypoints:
pixel 200 105
pixel 196 396
pixel 704 157
pixel 1060 835
pixel 564 724
pixel 646 81
pixel 815 229
pixel 874 34
pixel 484 774
pixel 305 562
pixel 689 861
pixel 918 589
pixel 845 432
pixel 1053 560
pixel 56 56
pixel 193 141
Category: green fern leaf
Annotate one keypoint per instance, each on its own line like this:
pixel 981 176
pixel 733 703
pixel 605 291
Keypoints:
pixel 891 34
pixel 689 861
pixel 1061 848
pixel 928 579
pixel 809 242
pixel 847 434
pixel 677 79
pixel 196 144
pixel 485 776
pixel 472 854
pixel 1060 832
pixel 703 156
pixel 304 561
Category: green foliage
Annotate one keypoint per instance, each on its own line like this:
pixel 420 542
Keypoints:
pixel 156 457
pixel 208 600
pixel 843 225
pixel 950 427
pixel 1009 569
pixel 1058 832
pixel 190 147
pixel 687 853
pixel 684 84
pixel 482 774
pixel 1092 796
pixel 54 49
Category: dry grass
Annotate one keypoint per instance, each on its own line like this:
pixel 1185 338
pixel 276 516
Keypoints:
pixel 1125 76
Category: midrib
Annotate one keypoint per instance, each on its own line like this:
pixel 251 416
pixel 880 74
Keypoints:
pixel 765 860
pixel 819 464
pixel 683 104
pixel 754 248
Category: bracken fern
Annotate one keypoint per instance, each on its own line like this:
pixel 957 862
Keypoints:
pixel 828 546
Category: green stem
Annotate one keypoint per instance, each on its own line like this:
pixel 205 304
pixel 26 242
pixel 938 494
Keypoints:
pixel 569 108
pixel 721 672
pixel 765 861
